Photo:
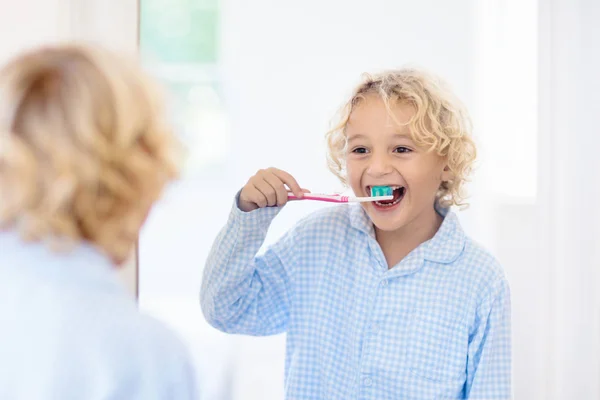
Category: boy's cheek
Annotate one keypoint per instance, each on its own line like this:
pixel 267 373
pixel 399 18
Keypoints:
pixel 355 185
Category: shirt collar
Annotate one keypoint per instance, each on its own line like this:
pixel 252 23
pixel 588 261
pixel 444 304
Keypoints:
pixel 448 243
pixel 445 246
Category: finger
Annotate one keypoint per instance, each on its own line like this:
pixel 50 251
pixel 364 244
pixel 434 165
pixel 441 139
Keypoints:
pixel 257 197
pixel 267 190
pixel 279 187
pixel 289 180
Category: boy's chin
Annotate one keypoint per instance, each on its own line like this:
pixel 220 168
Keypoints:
pixel 387 224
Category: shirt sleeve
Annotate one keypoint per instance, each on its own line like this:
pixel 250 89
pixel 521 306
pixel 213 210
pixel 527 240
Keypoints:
pixel 242 292
pixel 489 355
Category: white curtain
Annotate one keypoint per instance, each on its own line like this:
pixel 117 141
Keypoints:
pixel 568 218
pixel 536 191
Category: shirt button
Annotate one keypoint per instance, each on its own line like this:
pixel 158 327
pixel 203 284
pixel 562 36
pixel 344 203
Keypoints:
pixel 367 382
pixel 384 283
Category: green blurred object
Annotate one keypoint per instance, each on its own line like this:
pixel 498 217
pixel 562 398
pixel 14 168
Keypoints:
pixel 378 191
pixel 179 31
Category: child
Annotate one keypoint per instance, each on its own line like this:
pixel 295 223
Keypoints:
pixel 383 300
pixel 84 154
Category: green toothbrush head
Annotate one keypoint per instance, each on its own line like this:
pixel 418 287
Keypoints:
pixel 378 191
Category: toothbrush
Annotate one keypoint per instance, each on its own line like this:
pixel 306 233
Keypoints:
pixel 377 193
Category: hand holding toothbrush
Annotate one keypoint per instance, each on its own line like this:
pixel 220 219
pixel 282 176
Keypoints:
pixel 267 188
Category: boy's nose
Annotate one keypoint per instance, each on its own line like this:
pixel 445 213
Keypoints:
pixel 379 166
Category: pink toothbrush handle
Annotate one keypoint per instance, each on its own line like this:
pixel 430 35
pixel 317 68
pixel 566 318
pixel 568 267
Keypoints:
pixel 327 198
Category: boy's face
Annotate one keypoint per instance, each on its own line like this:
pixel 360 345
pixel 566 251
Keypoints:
pixel 382 153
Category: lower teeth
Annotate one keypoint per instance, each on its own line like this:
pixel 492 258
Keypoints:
pixel 388 204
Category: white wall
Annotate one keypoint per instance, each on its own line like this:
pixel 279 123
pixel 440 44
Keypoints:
pixel 112 23
pixel 31 22
pixel 288 65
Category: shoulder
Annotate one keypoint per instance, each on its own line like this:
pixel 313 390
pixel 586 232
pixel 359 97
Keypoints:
pixel 129 340
pixel 126 333
pixel 472 263
pixel 485 273
pixel 98 342
pixel 481 261
pixel 138 348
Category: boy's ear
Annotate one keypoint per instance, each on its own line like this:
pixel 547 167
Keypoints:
pixel 447 175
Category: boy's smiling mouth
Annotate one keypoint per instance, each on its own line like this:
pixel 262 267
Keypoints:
pixel 398 193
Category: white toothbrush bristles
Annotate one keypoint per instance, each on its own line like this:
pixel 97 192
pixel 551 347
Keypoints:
pixel 372 198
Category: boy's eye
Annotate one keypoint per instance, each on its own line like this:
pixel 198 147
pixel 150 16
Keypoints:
pixel 402 149
pixel 359 150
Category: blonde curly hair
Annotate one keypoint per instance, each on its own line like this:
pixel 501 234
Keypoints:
pixel 440 123
pixel 84 148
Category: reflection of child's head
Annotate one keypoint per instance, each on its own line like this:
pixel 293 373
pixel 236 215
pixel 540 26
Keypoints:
pixel 440 124
pixel 84 149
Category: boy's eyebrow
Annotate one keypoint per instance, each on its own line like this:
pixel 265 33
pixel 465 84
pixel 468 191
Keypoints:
pixel 355 136
pixel 397 135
